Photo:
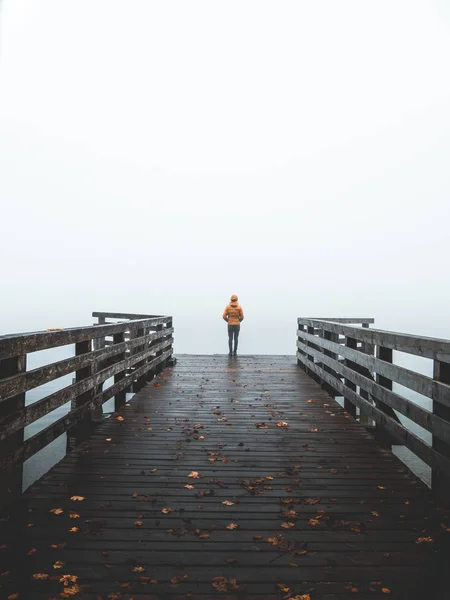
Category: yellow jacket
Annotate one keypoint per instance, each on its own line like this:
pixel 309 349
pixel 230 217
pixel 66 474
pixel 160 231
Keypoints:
pixel 233 312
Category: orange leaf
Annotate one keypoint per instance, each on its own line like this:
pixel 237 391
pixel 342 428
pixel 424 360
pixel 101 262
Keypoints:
pixel 232 526
pixel 58 565
pixel 287 524
pixel 138 523
pixel 13 596
pixel 139 569
pixel 386 590
pixel 77 498
pixel 189 487
pixel 56 511
pixel 194 475
pixel 166 511
pixel 227 502
pixel 424 540
pixel 40 576
pixel 74 529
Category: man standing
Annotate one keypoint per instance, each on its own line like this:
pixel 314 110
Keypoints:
pixel 233 315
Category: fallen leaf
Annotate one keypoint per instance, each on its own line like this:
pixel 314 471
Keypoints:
pixel 74 529
pixel 374 513
pixel 424 540
pixel 139 569
pixel 40 576
pixel 32 551
pixel 194 475
pixel 56 511
pixel 381 487
pixel 282 587
pixel 13 596
pixel 138 523
pixel 58 565
pixel 232 526
pixel 386 590
pixel 166 511
pixel 189 486
pixel 77 498
pixel 119 418
pixel 228 502
pixel 287 524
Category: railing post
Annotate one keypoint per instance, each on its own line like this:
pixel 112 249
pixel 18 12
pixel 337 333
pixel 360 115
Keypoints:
pixel 385 354
pixel 97 344
pixel 120 397
pixel 11 481
pixel 367 348
pixel 440 483
pixel 332 337
pixel 81 430
pixel 299 362
pixel 349 406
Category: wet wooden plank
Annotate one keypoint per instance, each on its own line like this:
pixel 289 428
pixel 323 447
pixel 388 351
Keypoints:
pixel 286 490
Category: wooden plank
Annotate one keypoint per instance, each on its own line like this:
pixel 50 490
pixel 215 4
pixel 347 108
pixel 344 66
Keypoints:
pixel 401 434
pixel 426 419
pixel 434 348
pixel 40 408
pixel 440 479
pixel 23 382
pixel 18 344
pixel 11 477
pixel 415 381
pixel 49 434
pixel 204 417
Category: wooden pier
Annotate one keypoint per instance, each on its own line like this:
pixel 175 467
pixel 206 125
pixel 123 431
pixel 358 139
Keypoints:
pixel 234 478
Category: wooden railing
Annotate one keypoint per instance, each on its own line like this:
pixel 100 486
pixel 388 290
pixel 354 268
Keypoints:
pixel 357 363
pixel 131 352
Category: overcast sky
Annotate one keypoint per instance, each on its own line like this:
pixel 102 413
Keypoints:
pixel 158 156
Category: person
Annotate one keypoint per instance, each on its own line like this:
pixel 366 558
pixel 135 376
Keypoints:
pixel 233 315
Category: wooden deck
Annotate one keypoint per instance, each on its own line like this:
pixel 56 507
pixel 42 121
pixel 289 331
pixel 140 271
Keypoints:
pixel 226 478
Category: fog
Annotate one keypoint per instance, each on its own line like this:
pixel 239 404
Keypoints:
pixel 160 156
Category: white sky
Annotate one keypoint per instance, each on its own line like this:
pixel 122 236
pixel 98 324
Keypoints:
pixel 157 156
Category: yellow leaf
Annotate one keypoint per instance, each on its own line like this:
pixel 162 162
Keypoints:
pixel 74 529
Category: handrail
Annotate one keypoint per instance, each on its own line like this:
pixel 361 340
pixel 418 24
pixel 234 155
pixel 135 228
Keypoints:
pixel 357 363
pixel 139 349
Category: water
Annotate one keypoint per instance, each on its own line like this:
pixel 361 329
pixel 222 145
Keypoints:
pixel 40 463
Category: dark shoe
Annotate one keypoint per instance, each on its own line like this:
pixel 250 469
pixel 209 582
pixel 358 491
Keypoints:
pixel 230 354
pixel 235 353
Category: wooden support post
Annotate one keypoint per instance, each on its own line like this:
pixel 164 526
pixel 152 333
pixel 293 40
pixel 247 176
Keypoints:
pixel 98 344
pixel 82 429
pixel 349 406
pixel 119 398
pixel 299 362
pixel 367 348
pixel 381 434
pixel 11 480
pixel 310 357
pixel 159 367
pixel 333 337
pixel 440 483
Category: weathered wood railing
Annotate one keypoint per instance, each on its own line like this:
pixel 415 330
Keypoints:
pixel 132 352
pixel 357 363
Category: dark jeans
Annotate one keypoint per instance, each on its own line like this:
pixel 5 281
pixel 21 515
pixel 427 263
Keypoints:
pixel 233 332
